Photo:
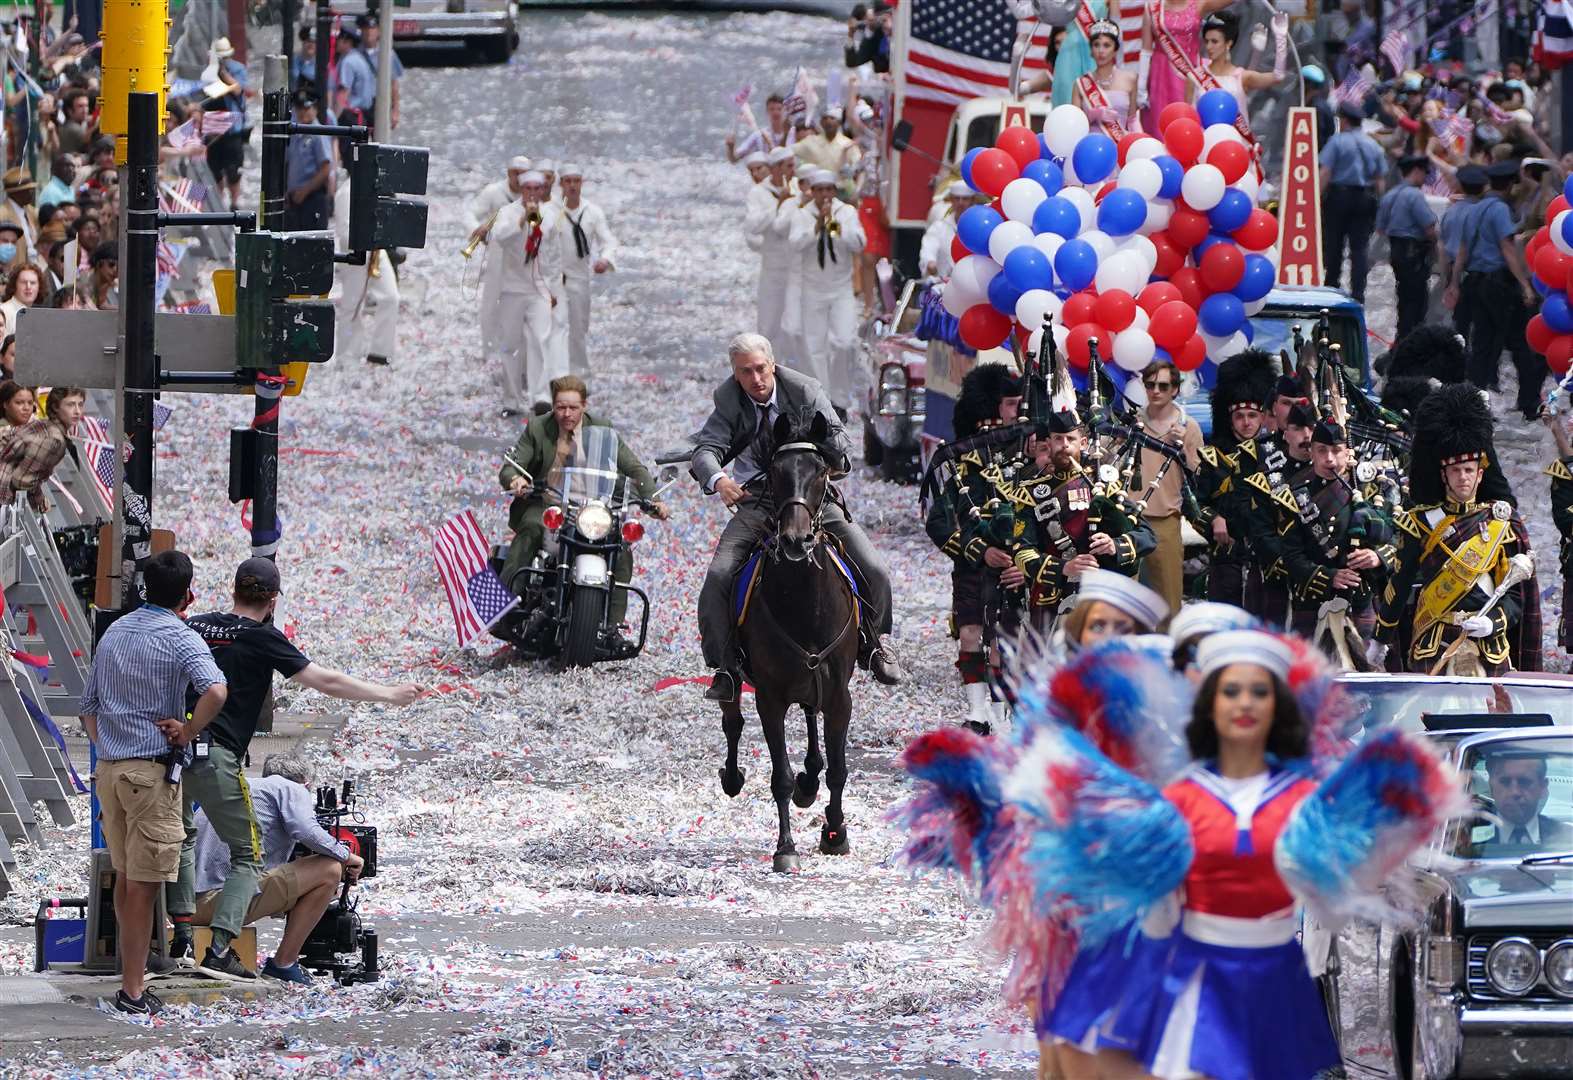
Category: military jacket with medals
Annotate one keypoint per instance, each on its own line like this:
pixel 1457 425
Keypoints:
pixel 1264 471
pixel 947 517
pixel 1457 553
pixel 1053 517
pixel 1561 473
pixel 1220 494
pixel 1319 524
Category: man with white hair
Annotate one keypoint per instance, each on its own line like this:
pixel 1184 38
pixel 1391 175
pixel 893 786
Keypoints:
pixel 827 236
pixel 934 257
pixel 483 210
pixel 768 217
pixel 530 254
pixel 588 248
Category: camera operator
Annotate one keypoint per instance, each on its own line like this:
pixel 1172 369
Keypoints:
pixel 248 649
pixel 299 889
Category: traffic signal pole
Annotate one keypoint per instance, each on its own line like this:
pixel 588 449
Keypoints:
pixel 268 385
pixel 325 47
pixel 138 274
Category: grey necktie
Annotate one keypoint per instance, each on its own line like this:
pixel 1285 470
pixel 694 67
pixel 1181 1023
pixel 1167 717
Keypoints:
pixel 1520 836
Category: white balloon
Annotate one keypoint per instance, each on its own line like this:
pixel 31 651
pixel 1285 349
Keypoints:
pixel 1144 149
pixel 1006 238
pixel 1081 199
pixel 972 276
pixel 1068 170
pixel 1142 319
pixel 1202 187
pixel 1214 134
pixel 1249 184
pixel 955 299
pixel 1215 345
pixel 1101 242
pixel 1034 342
pixel 1048 243
pixel 1136 393
pixel 1271 255
pixel 1063 129
pixel 1021 197
pixel 1159 211
pixel 1034 305
pixel 1133 349
pixel 1558 224
pixel 1122 270
pixel 1254 306
pixel 1236 344
pixel 1142 176
pixel 1061 333
pixel 1143 247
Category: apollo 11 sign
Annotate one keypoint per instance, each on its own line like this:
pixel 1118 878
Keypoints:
pixel 1300 205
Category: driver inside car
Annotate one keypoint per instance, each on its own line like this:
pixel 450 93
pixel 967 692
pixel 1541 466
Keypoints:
pixel 548 443
pixel 1519 788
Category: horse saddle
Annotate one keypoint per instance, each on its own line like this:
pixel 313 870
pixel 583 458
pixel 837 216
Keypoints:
pixel 749 576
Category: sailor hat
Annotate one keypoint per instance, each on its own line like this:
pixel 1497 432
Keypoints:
pixel 779 154
pixel 1208 617
pixel 756 158
pixel 959 190
pixel 534 176
pixel 1121 592
pixel 520 164
pixel 570 170
pixel 1218 651
pixel 821 177
pixel 546 165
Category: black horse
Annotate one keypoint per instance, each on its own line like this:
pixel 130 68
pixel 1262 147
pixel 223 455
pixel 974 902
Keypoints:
pixel 801 641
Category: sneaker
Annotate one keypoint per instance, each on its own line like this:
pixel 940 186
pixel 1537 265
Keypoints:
pixel 159 966
pixel 146 1005
pixel 181 947
pixel 227 966
pixel 291 974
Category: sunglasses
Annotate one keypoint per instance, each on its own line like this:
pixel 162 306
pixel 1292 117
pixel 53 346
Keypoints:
pixel 1154 384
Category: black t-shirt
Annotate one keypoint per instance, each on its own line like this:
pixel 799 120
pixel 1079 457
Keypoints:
pixel 248 653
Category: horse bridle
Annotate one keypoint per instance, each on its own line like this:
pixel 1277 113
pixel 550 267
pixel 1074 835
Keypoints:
pixel 815 514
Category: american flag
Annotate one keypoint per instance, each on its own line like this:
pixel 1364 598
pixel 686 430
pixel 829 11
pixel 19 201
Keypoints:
pixel 1554 33
pixel 200 126
pixel 192 307
pixel 740 98
pixel 93 433
pixel 961 49
pixel 801 100
pixel 161 415
pixel 169 258
pixel 182 195
pixel 1353 89
pixel 1395 46
pixel 476 594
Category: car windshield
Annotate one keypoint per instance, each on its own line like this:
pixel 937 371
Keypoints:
pixel 1409 702
pixel 592 472
pixel 1522 796
pixel 1274 330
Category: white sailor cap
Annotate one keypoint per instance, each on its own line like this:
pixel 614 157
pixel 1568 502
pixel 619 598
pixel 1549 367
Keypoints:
pixel 959 190
pixel 1218 651
pixel 546 165
pixel 820 177
pixel 534 176
pixel 1208 617
pixel 835 112
pixel 520 164
pixel 758 158
pixel 779 154
pixel 1125 594
pixel 570 170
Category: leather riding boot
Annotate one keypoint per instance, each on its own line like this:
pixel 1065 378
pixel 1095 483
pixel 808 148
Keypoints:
pixel 724 686
pixel 884 666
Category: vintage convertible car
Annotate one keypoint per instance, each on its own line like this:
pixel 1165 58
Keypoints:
pixel 1473 977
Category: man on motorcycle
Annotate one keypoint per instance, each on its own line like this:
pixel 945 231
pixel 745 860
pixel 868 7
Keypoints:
pixel 737 434
pixel 547 444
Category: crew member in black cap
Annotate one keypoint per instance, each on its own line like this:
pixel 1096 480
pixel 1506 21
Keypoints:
pixel 1472 181
pixel 1354 168
pixel 1282 458
pixel 1406 219
pixel 1335 547
pixel 1241 394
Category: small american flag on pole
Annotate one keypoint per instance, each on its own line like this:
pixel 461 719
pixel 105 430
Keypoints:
pixel 802 100
pixel 1395 46
pixel 93 433
pixel 476 595
pixel 1353 89
pixel 182 196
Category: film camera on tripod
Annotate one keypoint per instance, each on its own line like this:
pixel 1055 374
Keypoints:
pixel 340 944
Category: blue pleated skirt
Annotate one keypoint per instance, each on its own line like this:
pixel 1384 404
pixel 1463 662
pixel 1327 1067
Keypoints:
pixel 1103 981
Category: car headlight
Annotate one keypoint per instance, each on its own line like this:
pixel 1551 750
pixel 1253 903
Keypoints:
pixel 595 521
pixel 1559 967
pixel 1513 966
pixel 892 377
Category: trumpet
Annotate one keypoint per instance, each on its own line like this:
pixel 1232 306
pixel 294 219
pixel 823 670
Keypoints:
pixel 481 234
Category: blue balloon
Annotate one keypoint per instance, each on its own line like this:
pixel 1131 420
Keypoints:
pixel 1567 230
pixel 1232 211
pixel 966 165
pixel 1207 374
pixel 1094 157
pixel 1217 107
pixel 1248 330
pixel 1050 177
pixel 1567 188
pixel 1078 378
pixel 975 225
pixel 1027 268
pixel 1117 376
pixel 1221 314
pixel 1122 212
pixel 1556 312
pixel 1201 249
pixel 1044 153
pixel 1173 175
pixel 1076 263
pixel 1003 295
pixel 1257 281
pixel 1056 215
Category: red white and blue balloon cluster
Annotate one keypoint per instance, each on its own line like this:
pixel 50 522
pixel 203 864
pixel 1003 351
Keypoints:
pixel 1550 256
pixel 1152 247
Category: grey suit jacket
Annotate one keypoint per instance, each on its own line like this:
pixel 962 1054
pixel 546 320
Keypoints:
pixel 1554 835
pixel 732 423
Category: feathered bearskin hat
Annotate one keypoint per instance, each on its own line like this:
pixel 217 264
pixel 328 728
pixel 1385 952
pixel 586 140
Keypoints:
pixel 1451 424
pixel 1403 394
pixel 1246 378
pixel 1429 350
pixel 979 400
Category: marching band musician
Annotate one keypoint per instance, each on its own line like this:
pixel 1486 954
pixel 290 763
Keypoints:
pixel 1239 399
pixel 1561 473
pixel 758 187
pixel 768 216
pixel 483 210
pixel 934 256
pixel 589 248
pixel 1272 461
pixel 531 271
pixel 1476 610
pixel 367 307
pixel 827 235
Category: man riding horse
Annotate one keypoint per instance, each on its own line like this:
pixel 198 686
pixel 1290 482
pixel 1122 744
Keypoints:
pixel 731 459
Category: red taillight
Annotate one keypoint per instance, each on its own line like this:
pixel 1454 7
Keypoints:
pixel 553 518
pixel 633 532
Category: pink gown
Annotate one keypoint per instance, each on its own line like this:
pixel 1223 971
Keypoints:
pixel 1164 84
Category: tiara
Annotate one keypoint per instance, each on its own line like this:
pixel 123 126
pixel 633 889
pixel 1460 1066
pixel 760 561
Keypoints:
pixel 1104 26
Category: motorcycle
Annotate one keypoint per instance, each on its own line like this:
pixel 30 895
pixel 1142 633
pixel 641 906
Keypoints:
pixel 566 590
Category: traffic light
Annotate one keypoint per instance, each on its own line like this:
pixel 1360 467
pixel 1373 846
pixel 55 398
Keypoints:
pixel 270 328
pixel 379 220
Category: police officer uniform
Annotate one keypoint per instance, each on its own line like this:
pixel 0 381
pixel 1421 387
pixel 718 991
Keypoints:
pixel 1406 219
pixel 1356 166
pixel 1472 181
pixel 1496 298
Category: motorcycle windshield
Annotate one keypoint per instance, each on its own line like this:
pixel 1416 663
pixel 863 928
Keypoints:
pixel 591 474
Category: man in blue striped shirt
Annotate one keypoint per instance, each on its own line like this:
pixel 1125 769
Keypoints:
pixel 133 709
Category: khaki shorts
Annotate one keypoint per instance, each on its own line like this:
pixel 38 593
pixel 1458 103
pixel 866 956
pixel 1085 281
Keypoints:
pixel 140 814
pixel 278 891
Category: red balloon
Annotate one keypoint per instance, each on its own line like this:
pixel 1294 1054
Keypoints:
pixel 1170 256
pixel 1260 230
pixel 1222 267
pixel 1130 140
pixel 984 328
pixel 1231 159
pixel 992 170
pixel 1103 191
pixel 1550 265
pixel 1187 228
pixel 1076 343
pixel 1078 309
pixel 1115 310
pixel 958 250
pixel 1172 324
pixel 1176 110
pixel 1183 138
pixel 1189 281
pixel 1541 238
pixel 1560 355
pixel 1555 207
pixel 1191 355
pixel 1155 295
pixel 1539 335
pixel 1021 143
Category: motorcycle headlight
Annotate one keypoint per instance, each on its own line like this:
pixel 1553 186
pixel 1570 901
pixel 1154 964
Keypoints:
pixel 892 402
pixel 1559 967
pixel 595 521
pixel 1513 966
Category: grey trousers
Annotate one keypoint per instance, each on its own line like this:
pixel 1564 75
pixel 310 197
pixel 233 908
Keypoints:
pixel 751 523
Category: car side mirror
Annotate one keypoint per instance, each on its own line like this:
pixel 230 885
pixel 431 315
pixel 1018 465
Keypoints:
pixel 901 135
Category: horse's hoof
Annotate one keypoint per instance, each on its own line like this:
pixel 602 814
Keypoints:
pixel 833 842
pixel 732 783
pixel 805 791
pixel 785 864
